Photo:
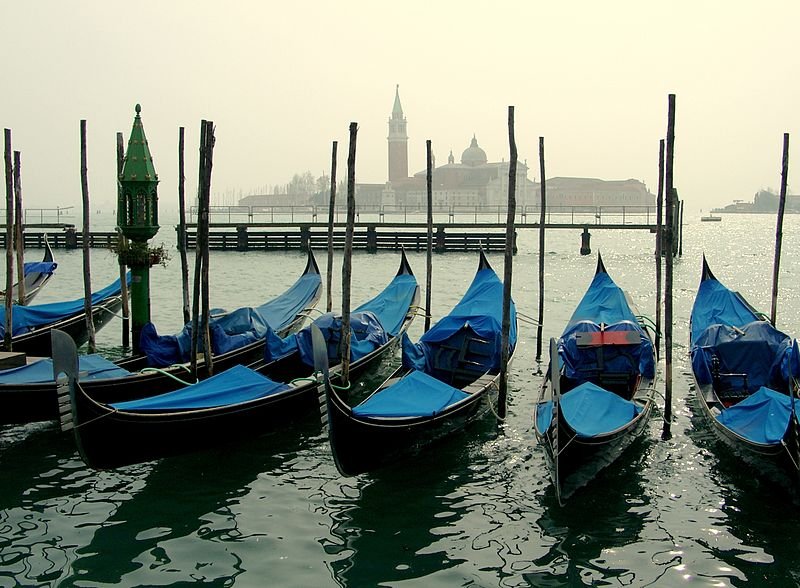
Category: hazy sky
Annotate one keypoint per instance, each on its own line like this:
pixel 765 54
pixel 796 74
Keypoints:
pixel 281 81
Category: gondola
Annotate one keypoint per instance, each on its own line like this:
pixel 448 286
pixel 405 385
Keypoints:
pixel 36 275
pixel 28 394
pixel 238 402
pixel 601 399
pixel 31 325
pixel 745 372
pixel 447 380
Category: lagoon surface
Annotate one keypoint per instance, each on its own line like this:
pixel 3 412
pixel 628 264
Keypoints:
pixel 475 510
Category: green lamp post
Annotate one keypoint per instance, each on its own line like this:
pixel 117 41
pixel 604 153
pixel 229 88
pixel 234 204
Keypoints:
pixel 137 218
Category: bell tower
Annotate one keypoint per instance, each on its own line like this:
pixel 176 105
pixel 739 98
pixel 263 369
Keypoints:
pixel 398 141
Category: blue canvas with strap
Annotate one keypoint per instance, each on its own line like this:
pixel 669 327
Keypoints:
pixel 231 330
pixel 479 313
pixel 27 318
pixel 415 395
pixel 233 386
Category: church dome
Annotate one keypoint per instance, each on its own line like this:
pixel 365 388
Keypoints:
pixel 473 155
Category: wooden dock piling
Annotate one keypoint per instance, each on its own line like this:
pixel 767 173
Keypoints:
pixel 9 298
pixel 19 239
pixel 87 271
pixel 122 243
pixel 502 400
pixel 182 224
pixel 331 213
pixel 429 248
pixel 542 211
pixel 670 231
pixel 347 263
pixel 779 229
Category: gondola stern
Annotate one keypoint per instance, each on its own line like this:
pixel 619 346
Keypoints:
pixel 405 267
pixel 483 262
pixel 601 268
pixel 311 265
pixel 706 273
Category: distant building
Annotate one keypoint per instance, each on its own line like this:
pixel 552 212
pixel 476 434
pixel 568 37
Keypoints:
pixel 764 201
pixel 472 181
pixel 594 192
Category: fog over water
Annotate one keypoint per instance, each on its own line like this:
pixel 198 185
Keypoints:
pixel 281 81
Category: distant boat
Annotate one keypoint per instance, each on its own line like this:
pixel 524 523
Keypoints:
pixel 710 218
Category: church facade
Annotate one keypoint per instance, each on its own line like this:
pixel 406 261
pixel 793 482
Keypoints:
pixel 475 181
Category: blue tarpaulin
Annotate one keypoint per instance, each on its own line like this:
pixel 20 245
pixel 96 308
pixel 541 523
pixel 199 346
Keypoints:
pixel 757 349
pixel 91 367
pixel 232 330
pixel 415 395
pixel 40 267
pixel 590 410
pixel 479 314
pixel 233 386
pixel 727 330
pixel 366 335
pixel 763 417
pixel 27 318
pixel 377 320
pixel 716 304
pixel 604 304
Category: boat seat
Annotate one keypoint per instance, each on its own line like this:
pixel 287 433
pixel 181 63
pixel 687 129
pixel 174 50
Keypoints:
pixel 462 364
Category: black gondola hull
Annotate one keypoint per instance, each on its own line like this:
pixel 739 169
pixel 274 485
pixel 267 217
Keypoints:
pixel 362 445
pixel 580 460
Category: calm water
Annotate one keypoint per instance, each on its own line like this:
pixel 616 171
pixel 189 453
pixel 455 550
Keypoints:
pixel 476 510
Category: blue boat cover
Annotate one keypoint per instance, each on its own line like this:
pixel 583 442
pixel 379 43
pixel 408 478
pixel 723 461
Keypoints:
pixel 40 267
pixel 91 367
pixel 233 386
pixel 762 417
pixel 604 303
pixel 716 304
pixel 756 348
pixel 415 395
pixel 591 411
pixel 372 324
pixel 366 335
pixel 391 305
pixel 478 313
pixel 27 318
pixel 232 330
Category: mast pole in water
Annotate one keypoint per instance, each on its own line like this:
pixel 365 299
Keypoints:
pixel 670 231
pixel 779 230
pixel 508 268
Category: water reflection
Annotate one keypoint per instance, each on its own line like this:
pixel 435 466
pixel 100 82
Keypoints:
pixel 593 523
pixel 187 500
pixel 387 525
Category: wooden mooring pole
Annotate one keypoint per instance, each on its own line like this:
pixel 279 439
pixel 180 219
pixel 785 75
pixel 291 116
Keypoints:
pixel 502 399
pixel 670 228
pixel 19 234
pixel 201 252
pixel 429 247
pixel 208 354
pixel 347 264
pixel 9 298
pixel 542 208
pixel 122 243
pixel 659 244
pixel 182 225
pixel 87 270
pixel 331 214
pixel 779 230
